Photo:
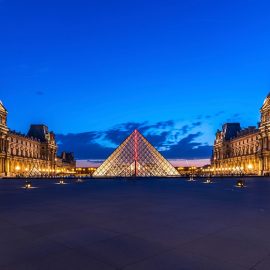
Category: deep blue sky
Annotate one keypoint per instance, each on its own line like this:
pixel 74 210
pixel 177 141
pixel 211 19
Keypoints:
pixel 94 66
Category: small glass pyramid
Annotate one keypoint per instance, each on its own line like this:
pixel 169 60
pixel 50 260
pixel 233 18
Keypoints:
pixel 135 157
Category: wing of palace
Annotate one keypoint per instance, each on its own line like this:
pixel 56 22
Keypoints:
pixel 244 151
pixel 31 154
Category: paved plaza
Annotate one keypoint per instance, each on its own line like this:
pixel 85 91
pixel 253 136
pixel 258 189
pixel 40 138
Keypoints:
pixel 130 224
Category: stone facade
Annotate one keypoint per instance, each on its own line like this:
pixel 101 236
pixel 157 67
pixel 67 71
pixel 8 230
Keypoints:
pixel 244 151
pixel 27 155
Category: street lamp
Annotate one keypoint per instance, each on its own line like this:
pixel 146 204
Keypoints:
pixel 28 185
pixel 62 181
pixel 192 173
pixel 208 181
pixel 240 184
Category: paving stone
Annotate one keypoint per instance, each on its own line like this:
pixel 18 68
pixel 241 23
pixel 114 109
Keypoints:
pixel 82 237
pixel 124 250
pixel 62 260
pixel 181 260
pixel 136 224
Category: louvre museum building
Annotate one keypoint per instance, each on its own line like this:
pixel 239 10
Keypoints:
pixel 34 154
pixel 244 151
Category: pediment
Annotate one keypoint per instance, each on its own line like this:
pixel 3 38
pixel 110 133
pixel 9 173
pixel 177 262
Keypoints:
pixel 2 107
pixel 266 104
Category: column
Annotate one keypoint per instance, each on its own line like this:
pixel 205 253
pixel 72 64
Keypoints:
pixel 1 166
pixel 6 166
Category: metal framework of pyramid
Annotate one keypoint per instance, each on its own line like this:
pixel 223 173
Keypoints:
pixel 34 172
pixel 135 157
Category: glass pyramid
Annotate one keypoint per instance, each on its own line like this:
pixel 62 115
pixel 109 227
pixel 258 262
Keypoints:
pixel 33 172
pixel 135 157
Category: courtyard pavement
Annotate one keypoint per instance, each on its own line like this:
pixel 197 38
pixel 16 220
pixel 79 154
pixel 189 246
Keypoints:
pixel 159 224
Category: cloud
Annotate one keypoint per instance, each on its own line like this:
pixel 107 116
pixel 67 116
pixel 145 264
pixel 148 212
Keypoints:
pixel 40 93
pixel 117 134
pixel 234 118
pixel 174 142
pixel 158 140
pixel 187 148
pixel 196 124
pixel 219 113
pixel 83 145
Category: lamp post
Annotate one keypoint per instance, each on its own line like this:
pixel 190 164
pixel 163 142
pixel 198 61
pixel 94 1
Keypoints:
pixel 192 174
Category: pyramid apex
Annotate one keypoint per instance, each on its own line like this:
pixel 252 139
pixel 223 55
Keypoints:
pixel 135 131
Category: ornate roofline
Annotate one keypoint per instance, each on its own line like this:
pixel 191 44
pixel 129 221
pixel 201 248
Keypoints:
pixel 266 102
pixel 21 135
pixel 2 106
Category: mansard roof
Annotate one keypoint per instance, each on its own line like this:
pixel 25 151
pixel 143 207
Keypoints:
pixel 39 132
